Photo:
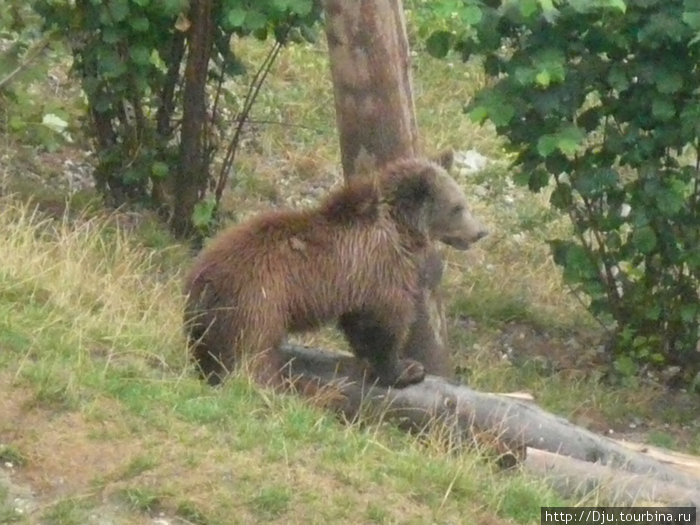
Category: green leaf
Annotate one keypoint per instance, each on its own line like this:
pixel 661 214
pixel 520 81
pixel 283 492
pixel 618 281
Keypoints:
pixel 689 312
pixel 280 5
pixel 548 10
pixel 575 260
pixel 616 4
pixel 528 7
pixel 140 54
pixel 174 7
pixel 568 140
pixel 625 366
pixel 561 196
pixel 671 198
pixel 502 115
pixel 111 66
pixel 644 239
pixel 236 17
pixel 159 170
pixel 255 20
pixel 588 6
pixel 692 19
pixel 557 163
pixel 690 119
pixel 139 24
pixel 494 106
pixel 478 114
pixel 546 145
pixel 662 109
pixel 203 213
pixel 652 312
pixel 668 82
pixel 439 43
pixel 470 15
pixel 111 35
pixel 543 78
pixel 524 75
pixel 617 78
pixel 590 119
pixel 549 64
pixel 301 7
pixel 119 9
pixel 538 180
pixel 17 123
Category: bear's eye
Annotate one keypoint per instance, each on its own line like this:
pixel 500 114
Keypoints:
pixel 457 209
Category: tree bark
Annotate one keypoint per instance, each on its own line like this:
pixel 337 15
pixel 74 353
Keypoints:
pixel 372 82
pixel 370 67
pixel 191 175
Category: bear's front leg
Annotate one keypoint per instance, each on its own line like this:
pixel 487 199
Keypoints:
pixel 396 372
pixel 378 339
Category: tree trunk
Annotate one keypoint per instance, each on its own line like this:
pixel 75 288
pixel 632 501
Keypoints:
pixel 370 67
pixel 191 175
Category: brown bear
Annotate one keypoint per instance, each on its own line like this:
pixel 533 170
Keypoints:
pixel 359 258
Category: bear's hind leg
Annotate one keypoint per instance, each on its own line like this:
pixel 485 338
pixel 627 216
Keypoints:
pixel 378 341
pixel 210 345
pixel 258 351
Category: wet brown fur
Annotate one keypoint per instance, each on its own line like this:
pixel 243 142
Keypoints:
pixel 356 258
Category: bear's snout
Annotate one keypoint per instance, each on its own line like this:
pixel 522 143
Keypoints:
pixel 463 240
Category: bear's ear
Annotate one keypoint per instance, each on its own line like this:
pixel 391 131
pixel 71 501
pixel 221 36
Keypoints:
pixel 445 158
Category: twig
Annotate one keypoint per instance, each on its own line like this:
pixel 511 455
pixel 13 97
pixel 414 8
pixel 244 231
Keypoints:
pixel 255 86
pixel 283 124
pixel 31 55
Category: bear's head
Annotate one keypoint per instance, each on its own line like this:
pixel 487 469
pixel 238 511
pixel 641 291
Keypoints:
pixel 426 199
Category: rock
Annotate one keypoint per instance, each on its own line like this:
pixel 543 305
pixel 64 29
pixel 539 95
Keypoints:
pixel 470 161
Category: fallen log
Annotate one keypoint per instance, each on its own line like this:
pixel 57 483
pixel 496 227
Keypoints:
pixel 580 478
pixel 518 424
pixel 686 462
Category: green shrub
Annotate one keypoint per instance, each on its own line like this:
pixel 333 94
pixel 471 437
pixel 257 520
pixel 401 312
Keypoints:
pixel 155 78
pixel 601 100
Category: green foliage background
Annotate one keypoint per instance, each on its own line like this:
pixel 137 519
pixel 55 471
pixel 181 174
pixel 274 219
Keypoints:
pixel 601 99
pixel 130 56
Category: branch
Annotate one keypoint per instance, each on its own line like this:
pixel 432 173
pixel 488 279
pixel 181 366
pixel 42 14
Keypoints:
pixel 31 55
pixel 252 94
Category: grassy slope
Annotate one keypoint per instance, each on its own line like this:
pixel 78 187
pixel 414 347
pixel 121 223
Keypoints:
pixel 100 414
pixel 100 404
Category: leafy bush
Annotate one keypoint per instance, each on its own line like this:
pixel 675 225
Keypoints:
pixel 154 74
pixel 27 113
pixel 601 98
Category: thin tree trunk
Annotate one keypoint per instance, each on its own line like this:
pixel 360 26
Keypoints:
pixel 372 81
pixel 370 67
pixel 191 176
